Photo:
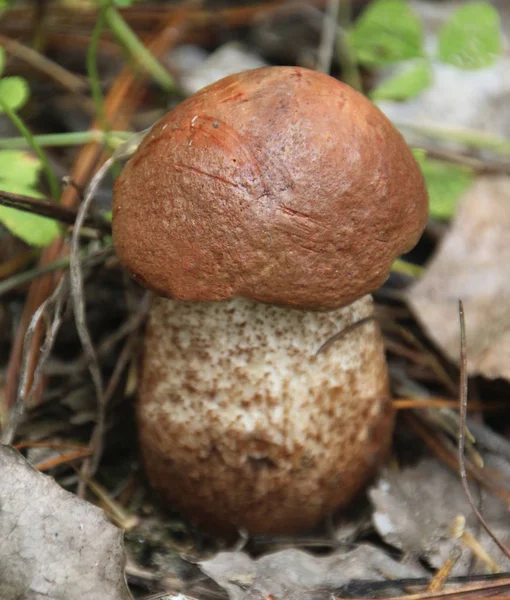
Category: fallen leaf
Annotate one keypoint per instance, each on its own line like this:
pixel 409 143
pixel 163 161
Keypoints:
pixel 52 544
pixel 415 508
pixel 297 575
pixel 472 264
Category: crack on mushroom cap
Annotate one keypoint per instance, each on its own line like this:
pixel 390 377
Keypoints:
pixel 240 422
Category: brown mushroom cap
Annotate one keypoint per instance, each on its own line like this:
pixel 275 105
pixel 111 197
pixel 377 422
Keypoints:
pixel 280 184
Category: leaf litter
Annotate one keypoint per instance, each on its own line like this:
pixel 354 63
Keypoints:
pixel 302 576
pixel 473 264
pixel 417 511
pixel 52 544
pixel 409 516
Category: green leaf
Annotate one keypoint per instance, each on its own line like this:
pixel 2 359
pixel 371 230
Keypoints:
pixel 32 229
pixel 21 167
pixel 446 183
pixel 2 59
pixel 410 80
pixel 14 92
pixel 471 39
pixel 387 32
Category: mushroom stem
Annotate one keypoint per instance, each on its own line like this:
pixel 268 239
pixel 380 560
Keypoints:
pixel 244 425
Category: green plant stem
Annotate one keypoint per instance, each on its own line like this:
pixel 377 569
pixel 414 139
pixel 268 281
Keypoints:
pixel 66 139
pixel 406 268
pixel 23 129
pixel 469 137
pixel 95 84
pixel 137 50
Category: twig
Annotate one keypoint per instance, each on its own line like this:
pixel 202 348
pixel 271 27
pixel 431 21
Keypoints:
pixel 431 402
pixel 115 511
pixel 369 587
pixel 78 299
pixel 65 457
pixel 477 590
pixel 441 577
pixel 77 295
pixel 469 137
pixel 12 266
pixel 462 431
pixel 328 35
pixel 129 346
pixel 476 549
pixel 47 208
pixel 478 165
pixel 430 358
pixel 51 445
pixel 63 77
pixel 345 331
pixel 58 265
pixel 26 388
pixel 448 454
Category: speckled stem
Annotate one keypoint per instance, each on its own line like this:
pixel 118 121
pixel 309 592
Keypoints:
pixel 243 425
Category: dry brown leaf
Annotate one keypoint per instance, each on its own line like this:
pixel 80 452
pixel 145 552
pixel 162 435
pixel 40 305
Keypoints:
pixel 52 544
pixel 473 264
pixel 297 575
pixel 414 510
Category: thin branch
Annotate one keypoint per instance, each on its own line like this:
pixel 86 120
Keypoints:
pixel 462 431
pixel 132 330
pixel 328 35
pixel 452 133
pixel 477 590
pixel 77 295
pixel 78 298
pixel 47 208
pixel 38 61
pixel 345 331
pixel 57 265
pixel 25 392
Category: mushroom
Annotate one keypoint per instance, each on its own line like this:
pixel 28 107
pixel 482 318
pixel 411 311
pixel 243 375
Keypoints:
pixel 264 210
